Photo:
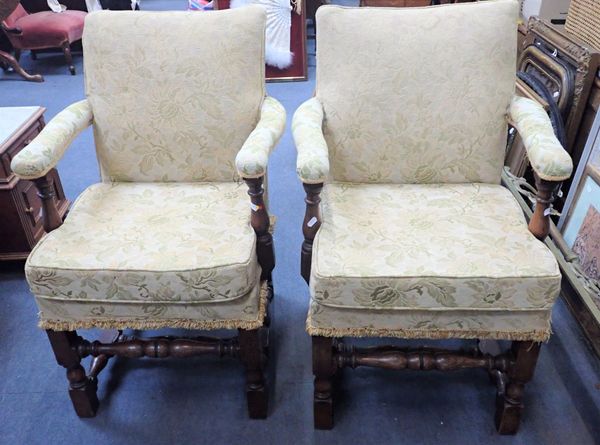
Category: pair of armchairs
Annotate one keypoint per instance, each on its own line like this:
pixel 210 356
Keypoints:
pixel 408 232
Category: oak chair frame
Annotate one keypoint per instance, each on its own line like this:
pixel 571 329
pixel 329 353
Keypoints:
pixel 510 371
pixel 251 347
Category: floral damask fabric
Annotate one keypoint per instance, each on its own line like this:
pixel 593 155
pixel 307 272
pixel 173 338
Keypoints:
pixel 401 107
pixel 330 321
pixel 432 247
pixel 150 243
pixel 547 156
pixel 312 165
pixel 44 152
pixel 172 106
pixel 251 161
pixel 245 312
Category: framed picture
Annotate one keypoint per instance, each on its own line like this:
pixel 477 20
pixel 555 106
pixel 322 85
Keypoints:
pixel 298 69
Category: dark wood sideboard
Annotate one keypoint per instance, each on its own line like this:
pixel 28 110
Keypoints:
pixel 20 207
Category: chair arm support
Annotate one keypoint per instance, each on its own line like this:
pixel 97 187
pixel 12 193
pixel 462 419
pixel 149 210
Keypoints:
pixel 251 161
pixel 548 158
pixel 310 226
pixel 312 165
pixel 44 152
pixel 259 220
pixel 539 224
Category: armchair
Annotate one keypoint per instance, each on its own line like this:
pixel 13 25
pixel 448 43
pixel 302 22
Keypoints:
pixel 43 30
pixel 408 232
pixel 167 238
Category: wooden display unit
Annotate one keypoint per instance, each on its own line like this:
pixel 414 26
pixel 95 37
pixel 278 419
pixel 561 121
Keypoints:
pixel 21 224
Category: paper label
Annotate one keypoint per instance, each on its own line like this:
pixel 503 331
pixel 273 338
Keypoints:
pixel 548 211
pixel 311 222
pixel 254 207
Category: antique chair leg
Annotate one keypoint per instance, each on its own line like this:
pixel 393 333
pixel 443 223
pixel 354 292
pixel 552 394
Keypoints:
pixel 254 358
pixel 66 47
pixel 9 60
pixel 509 404
pixel 17 54
pixel 82 390
pixel 324 370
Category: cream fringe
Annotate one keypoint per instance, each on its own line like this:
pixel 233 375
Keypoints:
pixel 178 323
pixel 537 336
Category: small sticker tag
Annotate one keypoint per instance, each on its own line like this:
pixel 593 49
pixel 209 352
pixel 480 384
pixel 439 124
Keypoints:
pixel 254 207
pixel 311 222
pixel 548 211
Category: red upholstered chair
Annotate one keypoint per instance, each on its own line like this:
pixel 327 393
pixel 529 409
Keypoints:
pixel 45 29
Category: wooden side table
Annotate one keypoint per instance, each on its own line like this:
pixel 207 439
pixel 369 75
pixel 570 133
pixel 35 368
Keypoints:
pixel 20 208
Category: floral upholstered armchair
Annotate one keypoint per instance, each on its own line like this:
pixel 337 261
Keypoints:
pixel 408 232
pixel 169 238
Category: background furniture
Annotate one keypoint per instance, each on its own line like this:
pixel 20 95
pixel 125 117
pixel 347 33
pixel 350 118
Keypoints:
pixel 171 237
pixel 6 58
pixel 43 30
pixel 20 207
pixel 408 232
pixel 299 67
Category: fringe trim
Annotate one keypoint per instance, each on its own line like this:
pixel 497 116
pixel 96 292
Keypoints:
pixel 176 323
pixel 537 336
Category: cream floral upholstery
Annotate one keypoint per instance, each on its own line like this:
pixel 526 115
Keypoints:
pixel 418 238
pixel 45 151
pixel 150 248
pixel 313 158
pixel 410 252
pixel 548 158
pixel 165 239
pixel 251 160
pixel 158 116
pixel 402 110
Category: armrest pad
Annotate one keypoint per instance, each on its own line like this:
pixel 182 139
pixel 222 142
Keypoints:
pixel 251 160
pixel 547 156
pixel 44 152
pixel 312 165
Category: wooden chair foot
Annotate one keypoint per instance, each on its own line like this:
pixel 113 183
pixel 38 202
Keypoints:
pixel 10 61
pixel 323 410
pixel 257 395
pixel 324 370
pixel 66 47
pixel 509 400
pixel 508 415
pixel 84 397
pixel 82 389
pixel 254 358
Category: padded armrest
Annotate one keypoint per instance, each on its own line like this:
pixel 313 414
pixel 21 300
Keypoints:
pixel 547 156
pixel 44 152
pixel 312 165
pixel 251 160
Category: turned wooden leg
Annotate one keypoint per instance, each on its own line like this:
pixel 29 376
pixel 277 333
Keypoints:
pixel 254 359
pixel 17 54
pixel 509 403
pixel 81 389
pixel 12 62
pixel 324 370
pixel 66 47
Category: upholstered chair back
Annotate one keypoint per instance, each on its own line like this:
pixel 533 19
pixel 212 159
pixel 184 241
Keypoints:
pixel 417 95
pixel 174 94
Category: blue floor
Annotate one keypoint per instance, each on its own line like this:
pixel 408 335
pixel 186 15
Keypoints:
pixel 202 401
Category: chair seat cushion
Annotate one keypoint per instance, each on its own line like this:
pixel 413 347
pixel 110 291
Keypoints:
pixel 152 245
pixel 48 29
pixel 451 247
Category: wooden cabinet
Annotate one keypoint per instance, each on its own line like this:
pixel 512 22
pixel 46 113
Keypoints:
pixel 20 207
